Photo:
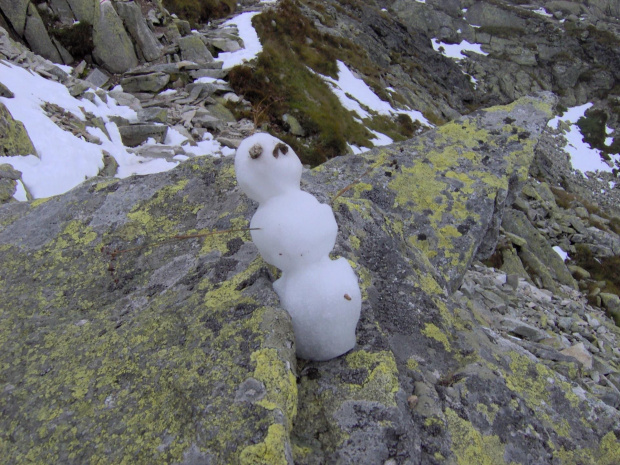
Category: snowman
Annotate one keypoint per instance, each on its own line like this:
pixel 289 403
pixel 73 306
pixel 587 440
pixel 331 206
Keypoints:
pixel 296 233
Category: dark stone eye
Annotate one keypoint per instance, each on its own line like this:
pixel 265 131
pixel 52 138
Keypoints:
pixel 256 151
pixel 280 147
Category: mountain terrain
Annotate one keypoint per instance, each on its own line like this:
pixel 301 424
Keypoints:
pixel 139 322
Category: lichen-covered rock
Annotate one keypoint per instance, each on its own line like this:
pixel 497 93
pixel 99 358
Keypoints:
pixel 153 354
pixel 133 337
pixel 14 140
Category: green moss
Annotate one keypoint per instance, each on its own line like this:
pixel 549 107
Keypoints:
pixel 104 184
pixel 470 446
pixel 534 383
pixel 433 332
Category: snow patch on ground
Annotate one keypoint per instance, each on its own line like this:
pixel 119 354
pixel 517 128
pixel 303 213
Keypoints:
pixel 455 51
pixel 563 255
pixel 582 157
pixel 542 12
pixel 251 42
pixel 355 95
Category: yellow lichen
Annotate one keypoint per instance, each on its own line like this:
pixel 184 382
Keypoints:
pixel 279 381
pixel 272 451
pixel 433 332
pixel 470 446
pixel 412 364
pixel 381 385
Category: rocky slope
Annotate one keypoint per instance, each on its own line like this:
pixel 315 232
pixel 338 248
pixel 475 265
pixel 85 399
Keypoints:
pixel 139 322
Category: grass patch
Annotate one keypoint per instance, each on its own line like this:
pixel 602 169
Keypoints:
pixel 284 80
pixel 200 11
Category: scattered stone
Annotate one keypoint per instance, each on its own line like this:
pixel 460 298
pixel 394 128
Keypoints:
pixel 152 82
pixel 578 272
pixel 579 352
pixel 135 134
pixel 293 125
pixel 194 49
pixel 97 78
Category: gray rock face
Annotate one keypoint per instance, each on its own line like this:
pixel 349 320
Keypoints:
pixel 37 37
pixel 85 10
pixel 16 12
pixel 113 47
pixel 148 45
pixel 536 247
pixel 485 15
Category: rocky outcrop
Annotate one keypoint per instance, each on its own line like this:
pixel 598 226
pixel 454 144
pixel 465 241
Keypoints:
pixel 144 327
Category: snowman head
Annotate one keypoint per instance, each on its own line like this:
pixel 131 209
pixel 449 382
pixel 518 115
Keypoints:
pixel 266 167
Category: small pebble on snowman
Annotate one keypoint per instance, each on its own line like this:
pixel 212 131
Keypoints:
pixel 296 233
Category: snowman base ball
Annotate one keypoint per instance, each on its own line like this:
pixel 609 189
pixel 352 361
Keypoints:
pixel 324 301
pixel 295 232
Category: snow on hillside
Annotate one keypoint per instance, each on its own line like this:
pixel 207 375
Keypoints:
pixel 582 157
pixel 64 160
pixel 251 42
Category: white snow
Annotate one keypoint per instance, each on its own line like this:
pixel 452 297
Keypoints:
pixel 455 51
pixel 609 131
pixel 563 255
pixel 541 11
pixel 296 233
pixel 20 192
pixel 355 95
pixel 380 139
pixel 251 42
pixel 582 156
pixel 63 160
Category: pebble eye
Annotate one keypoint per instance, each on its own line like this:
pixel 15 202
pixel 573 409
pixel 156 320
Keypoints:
pixel 280 147
pixel 256 151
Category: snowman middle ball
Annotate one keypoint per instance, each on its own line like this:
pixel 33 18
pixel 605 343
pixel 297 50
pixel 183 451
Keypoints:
pixel 293 230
